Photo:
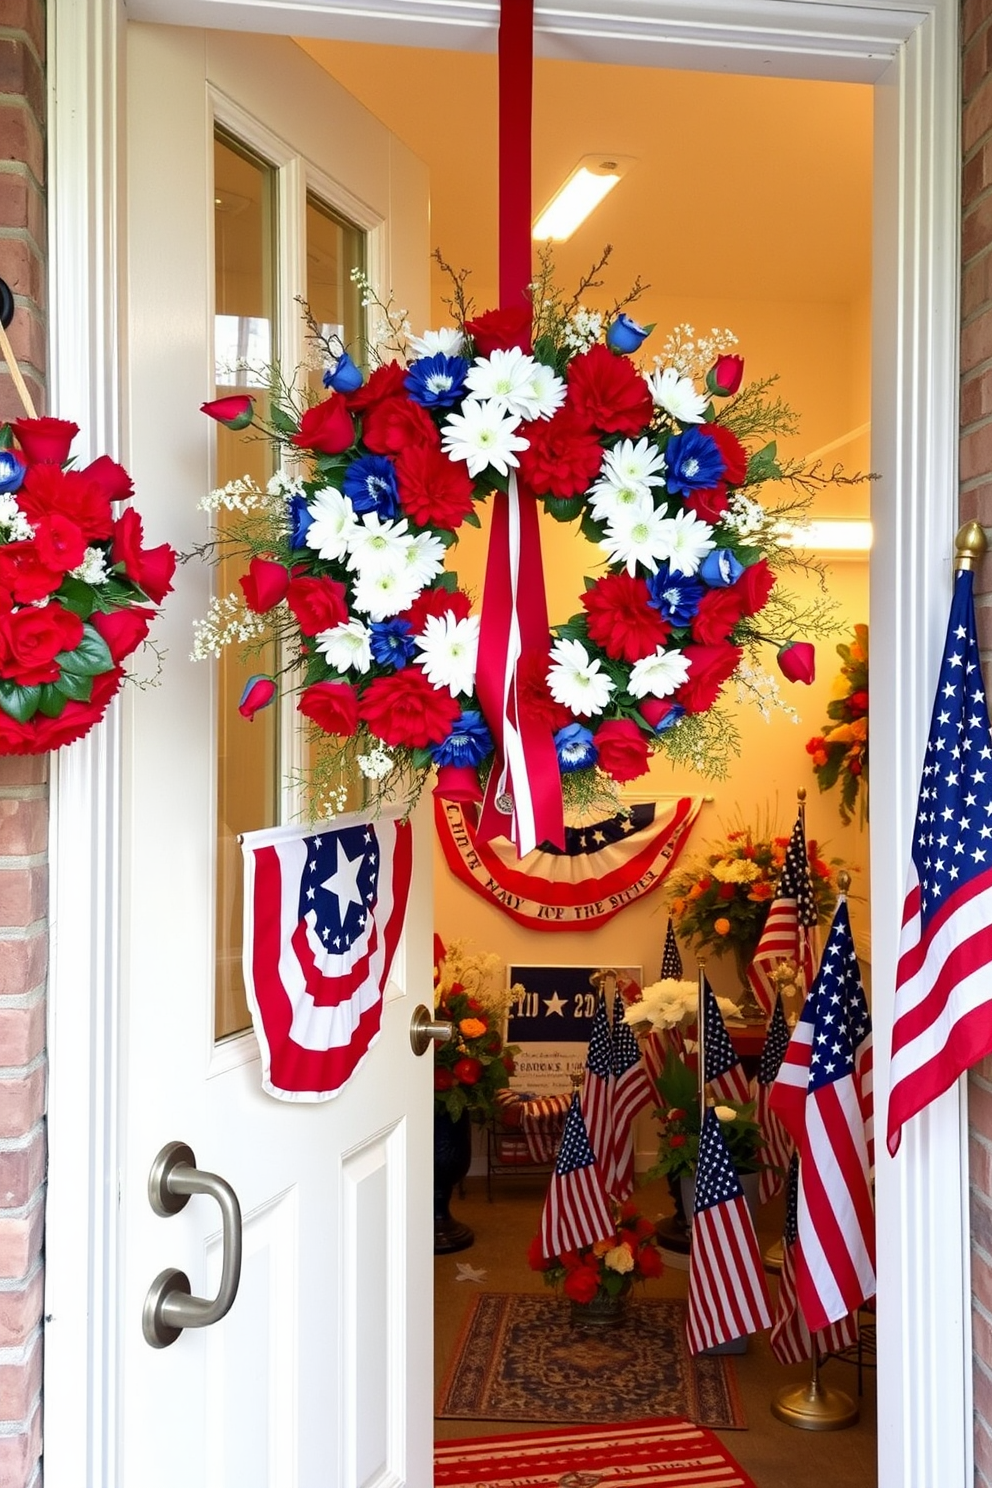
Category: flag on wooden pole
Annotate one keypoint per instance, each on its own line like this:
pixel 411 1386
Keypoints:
pixel 728 1294
pixel 576 1211
pixel 790 1339
pixel 776 1147
pixel 724 1072
pixel 943 1007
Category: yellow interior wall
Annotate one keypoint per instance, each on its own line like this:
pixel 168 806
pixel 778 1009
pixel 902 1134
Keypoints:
pixel 747 206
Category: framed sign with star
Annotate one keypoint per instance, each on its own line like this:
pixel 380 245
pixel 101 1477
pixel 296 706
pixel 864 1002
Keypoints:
pixel 550 1020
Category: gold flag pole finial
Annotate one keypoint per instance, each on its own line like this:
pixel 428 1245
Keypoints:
pixel 843 882
pixel 970 545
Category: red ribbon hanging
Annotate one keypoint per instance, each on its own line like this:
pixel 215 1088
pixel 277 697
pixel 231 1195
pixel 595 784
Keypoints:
pixel 523 795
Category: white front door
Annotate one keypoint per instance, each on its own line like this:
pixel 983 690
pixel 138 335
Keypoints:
pixel 320 1375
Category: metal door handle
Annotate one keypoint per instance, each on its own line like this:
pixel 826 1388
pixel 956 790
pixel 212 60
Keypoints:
pixel 425 1029
pixel 169 1307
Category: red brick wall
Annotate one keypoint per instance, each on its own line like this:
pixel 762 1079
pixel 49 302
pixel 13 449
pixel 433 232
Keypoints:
pixel 976 501
pixel 23 796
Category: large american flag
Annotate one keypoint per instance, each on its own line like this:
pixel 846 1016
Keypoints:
pixel 789 930
pixel 942 1023
pixel 596 1096
pixel 723 1070
pixel 728 1294
pixel 576 1211
pixel 820 1098
pixel 776 1147
pixel 631 1091
pixel 790 1339
pixel 323 914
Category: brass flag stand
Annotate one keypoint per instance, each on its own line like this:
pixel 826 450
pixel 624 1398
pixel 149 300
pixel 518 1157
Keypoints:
pixel 814 1406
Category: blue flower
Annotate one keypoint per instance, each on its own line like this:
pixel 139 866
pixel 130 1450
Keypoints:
pixel 575 749
pixel 300 521
pixel 391 642
pixel 625 334
pixel 12 472
pixel 720 569
pixel 468 743
pixel 694 462
pixel 674 711
pixel 673 595
pixel 344 376
pixel 436 381
pixel 371 483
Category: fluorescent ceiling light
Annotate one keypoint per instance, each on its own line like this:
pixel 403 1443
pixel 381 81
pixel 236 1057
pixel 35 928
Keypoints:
pixel 592 179
pixel 832 535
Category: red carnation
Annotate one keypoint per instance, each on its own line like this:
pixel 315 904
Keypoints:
pixel 623 749
pixel 608 393
pixel 23 575
pixel 45 441
pixel 397 423
pixel 732 451
pixel 318 604
pixel 59 541
pixel 332 706
pixel 31 639
pixel 82 498
pixel 326 427
pixel 384 382
pixel 534 698
pixel 113 479
pixel 564 455
pixel 434 491
pixel 499 330
pixel 123 630
pixel 649 1261
pixel 437 601
pixel 264 585
pixel 621 620
pixel 467 1071
pixel 582 1284
pixel 718 613
pixel 709 668
pixel 405 710
pixel 42 734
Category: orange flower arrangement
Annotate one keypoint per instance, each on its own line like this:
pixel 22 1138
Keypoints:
pixel 609 1266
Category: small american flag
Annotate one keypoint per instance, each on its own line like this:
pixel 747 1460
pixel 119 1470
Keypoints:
pixel 596 1087
pixel 631 1092
pixel 776 1147
pixel 942 1023
pixel 724 1072
pixel 576 1211
pixel 655 1044
pixel 790 1338
pixel 790 928
pixel 820 1098
pixel 728 1294
pixel 671 961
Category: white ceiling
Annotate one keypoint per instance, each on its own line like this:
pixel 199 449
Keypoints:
pixel 784 38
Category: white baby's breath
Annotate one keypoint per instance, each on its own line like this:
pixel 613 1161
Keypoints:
pixel 227 619
pixel 93 569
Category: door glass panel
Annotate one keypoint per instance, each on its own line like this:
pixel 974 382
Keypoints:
pixel 244 335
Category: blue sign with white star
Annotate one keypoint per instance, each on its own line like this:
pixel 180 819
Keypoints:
pixel 340 885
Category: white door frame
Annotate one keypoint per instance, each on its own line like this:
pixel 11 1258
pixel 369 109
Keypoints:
pixel 924 1397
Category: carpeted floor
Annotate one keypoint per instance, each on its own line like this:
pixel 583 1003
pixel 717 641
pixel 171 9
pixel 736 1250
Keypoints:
pixel 775 1455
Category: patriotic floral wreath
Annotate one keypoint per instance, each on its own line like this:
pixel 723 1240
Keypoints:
pixel 347 555
pixel 76 586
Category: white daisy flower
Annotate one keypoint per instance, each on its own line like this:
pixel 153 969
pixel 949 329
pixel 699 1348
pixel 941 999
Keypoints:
pixel 677 395
pixel 333 523
pixel 577 681
pixel 445 342
pixel 685 541
pixel 607 501
pixel 383 592
pixel 483 434
pixel 346 645
pixel 424 559
pixel 630 464
pixel 638 535
pixel 450 649
pixel 375 545
pixel 545 393
pixel 658 675
pixel 506 378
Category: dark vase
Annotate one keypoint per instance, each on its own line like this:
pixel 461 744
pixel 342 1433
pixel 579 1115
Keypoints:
pixel 452 1159
pixel 603 1311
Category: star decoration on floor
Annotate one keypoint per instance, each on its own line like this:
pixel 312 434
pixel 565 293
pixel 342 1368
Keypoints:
pixel 469 1273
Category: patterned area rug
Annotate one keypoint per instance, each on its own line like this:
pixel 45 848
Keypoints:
pixel 520 1359
pixel 641 1455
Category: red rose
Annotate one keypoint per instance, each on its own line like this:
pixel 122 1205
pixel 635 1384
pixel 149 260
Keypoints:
pixel 676 1141
pixel 655 710
pixel 755 585
pixel 732 451
pixel 318 604
pixel 709 668
pixel 112 479
pixel 32 638
pixel 499 330
pixel 151 569
pixel 458 783
pixel 725 376
pixel 797 661
pixel 404 709
pixel 436 601
pixel 259 692
pixel 467 1071
pixel 74 494
pixel 123 630
pixel 534 698
pixel 564 456
pixel 443 1078
pixel 708 506
pixel 433 490
pixel 264 585
pixel 384 382
pixel 234 412
pixel 332 706
pixel 76 719
pixel 649 1261
pixel 718 613
pixel 623 749
pixel 608 393
pixel 45 441
pixel 582 1284
pixel 536 1259
pixel 23 575
pixel 621 620
pixel 858 702
pixel 396 424
pixel 326 427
